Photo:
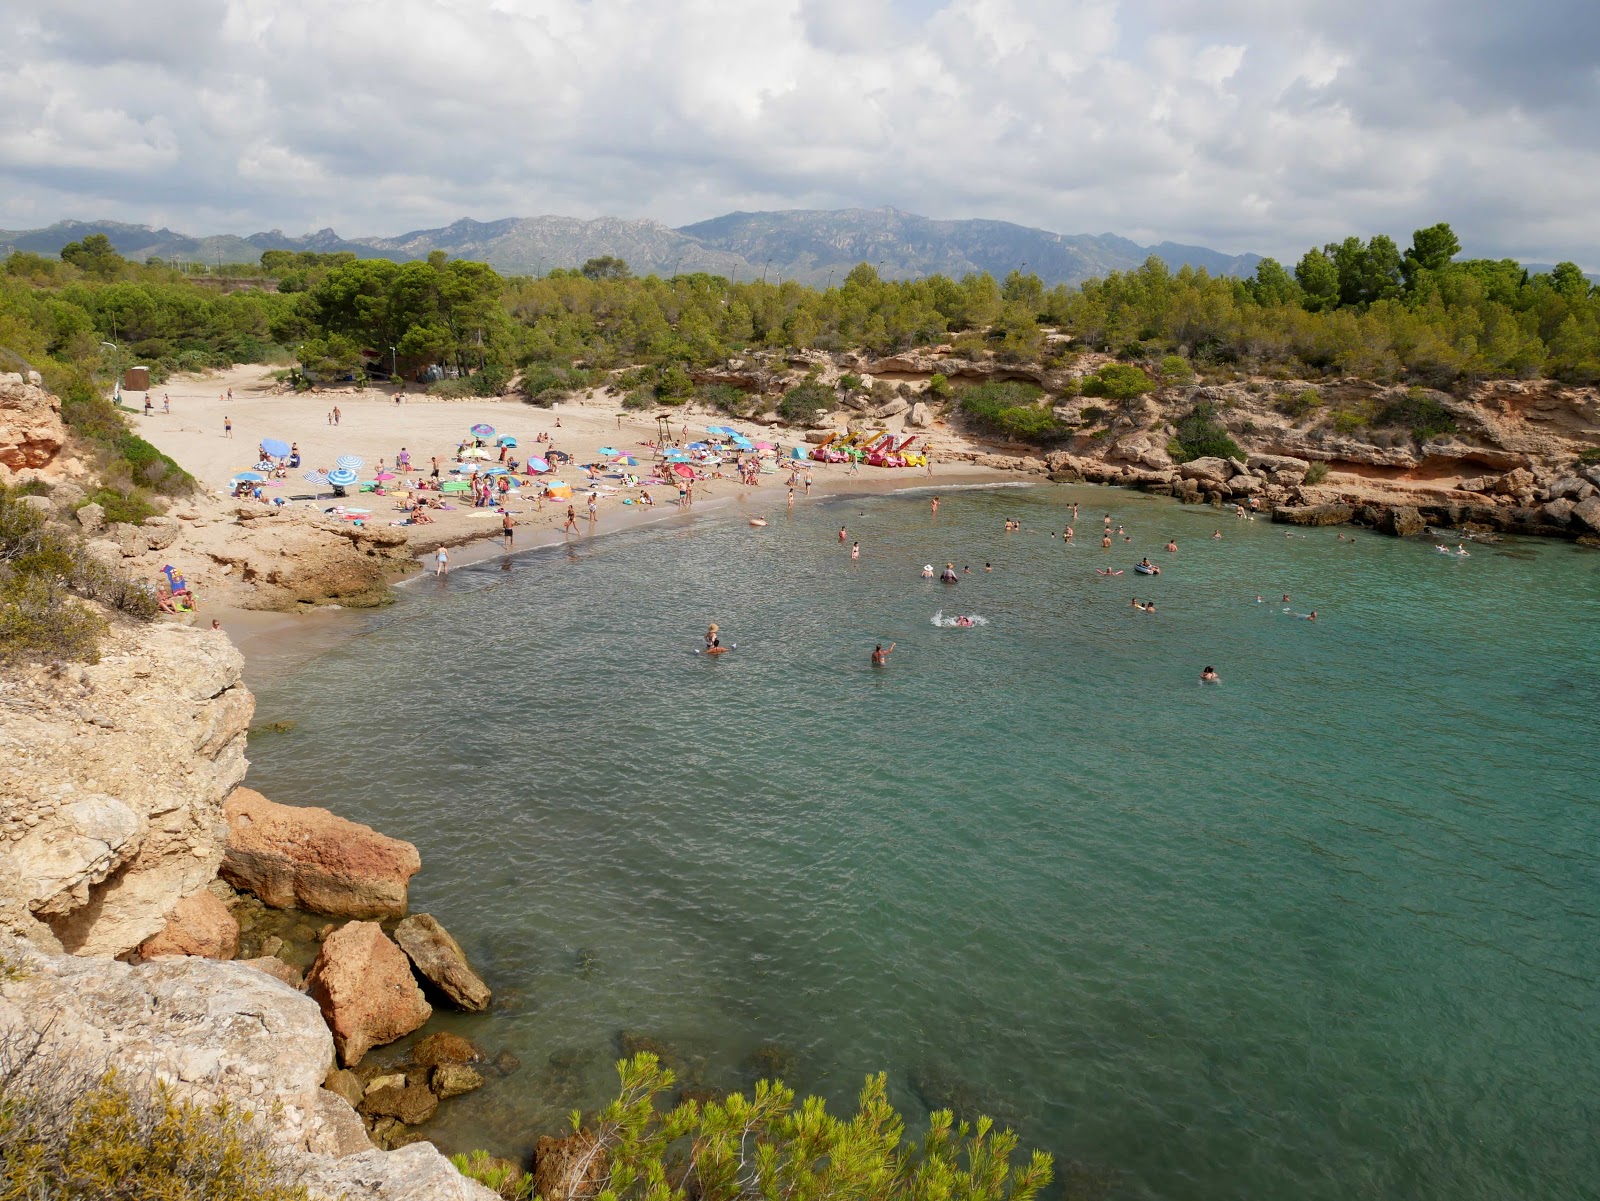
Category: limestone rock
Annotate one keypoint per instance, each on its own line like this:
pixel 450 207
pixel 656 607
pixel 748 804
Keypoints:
pixel 1588 512
pixel 364 985
pixel 1558 511
pixel 919 416
pixel 287 973
pixel 340 1125
pixel 307 858
pixel 40 504
pixel 346 1084
pixel 1403 521
pixel 444 1047
pixel 129 537
pixel 414 1173
pixel 160 532
pixel 126 809
pixel 454 1080
pixel 1208 470
pixel 92 518
pixel 441 961
pixel 198 925
pixel 1333 514
pixel 412 1104
pixel 31 432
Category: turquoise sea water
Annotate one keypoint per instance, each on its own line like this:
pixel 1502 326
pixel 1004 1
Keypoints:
pixel 1328 930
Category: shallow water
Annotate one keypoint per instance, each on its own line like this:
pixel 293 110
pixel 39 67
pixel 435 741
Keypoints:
pixel 1327 930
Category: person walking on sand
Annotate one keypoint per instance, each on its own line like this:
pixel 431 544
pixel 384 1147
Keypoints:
pixel 880 656
pixel 166 403
pixel 572 520
pixel 434 474
pixel 441 562
pixel 227 426
pixel 506 527
pixel 337 416
pixel 808 481
pixel 330 416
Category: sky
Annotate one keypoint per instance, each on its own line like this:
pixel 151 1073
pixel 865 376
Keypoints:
pixel 1243 125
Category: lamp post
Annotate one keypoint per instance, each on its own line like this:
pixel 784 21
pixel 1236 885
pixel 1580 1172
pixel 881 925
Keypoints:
pixel 764 270
pixel 394 362
pixel 116 387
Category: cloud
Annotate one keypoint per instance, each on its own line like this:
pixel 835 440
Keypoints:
pixel 1260 125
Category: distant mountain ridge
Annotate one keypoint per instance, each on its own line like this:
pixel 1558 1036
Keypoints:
pixel 811 245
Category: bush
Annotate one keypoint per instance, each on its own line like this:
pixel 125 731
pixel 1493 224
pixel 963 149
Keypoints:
pixel 1175 369
pixel 673 384
pixel 1011 409
pixel 767 1146
pixel 1296 405
pixel 1591 455
pixel 544 385
pixel 1317 472
pixel 497 1175
pixel 1418 412
pixel 133 506
pixel 804 403
pixel 939 386
pixel 1118 381
pixel 849 383
pixel 492 380
pixel 1200 435
pixel 643 397
pixel 70 1134
pixel 1347 421
pixel 725 398
pixel 452 389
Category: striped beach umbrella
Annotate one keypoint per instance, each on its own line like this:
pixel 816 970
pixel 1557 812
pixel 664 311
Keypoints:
pixel 483 430
pixel 341 477
pixel 315 477
pixel 350 462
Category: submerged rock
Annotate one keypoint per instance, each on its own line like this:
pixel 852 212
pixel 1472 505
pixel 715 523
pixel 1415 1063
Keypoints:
pixel 412 1104
pixel 454 1080
pixel 364 985
pixel 307 858
pixel 443 1047
pixel 441 961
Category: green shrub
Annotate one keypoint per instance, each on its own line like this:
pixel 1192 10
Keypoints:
pixel 70 1135
pixel 642 397
pixel 543 384
pixel 492 380
pixel 40 619
pixel 1011 409
pixel 725 398
pixel 1317 472
pixel 497 1175
pixel 452 389
pixel 673 384
pixel 766 1145
pixel 1093 414
pixel 1347 421
pixel 939 386
pixel 1118 381
pixel 1295 405
pixel 804 403
pixel 1418 412
pixel 849 383
pixel 1175 369
pixel 1200 435
pixel 133 506
pixel 1591 455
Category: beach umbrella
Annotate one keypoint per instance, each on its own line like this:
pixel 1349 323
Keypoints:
pixel 537 464
pixel 610 450
pixel 254 477
pixel 342 477
pixel 505 440
pixel 275 447
pixel 796 453
pixel 495 470
pixel 482 430
pixel 743 443
pixel 684 470
pixel 349 462
pixel 386 476
pixel 677 456
pixel 315 477
pixel 513 482
pixel 764 446
pixel 725 430
pixel 698 446
pixel 472 452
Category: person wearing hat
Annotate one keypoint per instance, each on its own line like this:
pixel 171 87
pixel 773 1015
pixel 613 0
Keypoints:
pixel 713 642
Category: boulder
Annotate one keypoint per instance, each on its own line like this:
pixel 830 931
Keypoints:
pixel 441 961
pixel 364 985
pixel 1313 514
pixel 1402 521
pixel 66 494
pixel 1558 511
pixel 1208 470
pixel 306 858
pixel 1246 485
pixel 1267 464
pixel 344 1083
pixel 92 518
pixel 129 538
pixel 454 1080
pixel 160 532
pixel 1513 483
pixel 198 925
pixel 919 416
pixel 443 1047
pixel 893 406
pixel 278 970
pixel 105 550
pixel 39 504
pixel 31 432
pixel 414 1173
pixel 412 1104
pixel 1588 512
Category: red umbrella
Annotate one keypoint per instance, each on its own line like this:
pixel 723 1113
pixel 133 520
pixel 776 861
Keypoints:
pixel 684 470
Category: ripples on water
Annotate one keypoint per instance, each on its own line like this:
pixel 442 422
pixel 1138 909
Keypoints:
pixel 1325 931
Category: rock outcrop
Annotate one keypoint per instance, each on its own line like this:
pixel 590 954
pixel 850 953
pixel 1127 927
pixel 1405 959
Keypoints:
pixel 363 983
pixel 112 779
pixel 31 431
pixel 306 858
pixel 440 960
pixel 199 924
pixel 217 1030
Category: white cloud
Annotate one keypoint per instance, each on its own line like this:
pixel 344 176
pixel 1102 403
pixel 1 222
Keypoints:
pixel 1243 124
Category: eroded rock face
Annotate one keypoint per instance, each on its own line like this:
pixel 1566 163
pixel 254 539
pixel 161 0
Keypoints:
pixel 307 858
pixel 441 961
pixel 31 432
pixel 414 1173
pixel 199 924
pixel 363 983
pixel 112 778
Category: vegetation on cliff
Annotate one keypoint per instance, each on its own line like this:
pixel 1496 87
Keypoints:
pixel 71 1135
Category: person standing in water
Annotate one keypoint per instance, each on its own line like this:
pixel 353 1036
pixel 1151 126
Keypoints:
pixel 1210 676
pixel 843 537
pixel 441 562
pixel 855 551
pixel 936 505
pixel 713 637
pixel 506 527
pixel 880 656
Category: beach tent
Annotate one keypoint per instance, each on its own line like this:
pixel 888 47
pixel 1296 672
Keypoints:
pixel 560 491
pixel 505 440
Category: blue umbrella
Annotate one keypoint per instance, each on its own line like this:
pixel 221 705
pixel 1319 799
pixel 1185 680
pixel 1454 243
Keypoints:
pixel 537 464
pixel 341 477
pixel 254 477
pixel 698 446
pixel 496 470
pixel 743 443
pixel 610 450
pixel 726 430
pixel 505 440
pixel 483 430
pixel 277 449
pixel 677 456
pixel 349 461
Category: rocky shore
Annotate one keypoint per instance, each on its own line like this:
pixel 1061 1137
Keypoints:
pixel 141 891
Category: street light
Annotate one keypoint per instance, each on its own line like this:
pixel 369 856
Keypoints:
pixel 394 360
pixel 764 270
pixel 116 387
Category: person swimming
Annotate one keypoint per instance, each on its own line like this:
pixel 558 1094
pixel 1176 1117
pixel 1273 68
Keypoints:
pixel 964 621
pixel 1210 676
pixel 1172 544
pixel 880 657
pixel 713 638
pixel 1145 607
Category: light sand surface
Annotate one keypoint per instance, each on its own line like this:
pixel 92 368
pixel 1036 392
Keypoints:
pixel 373 426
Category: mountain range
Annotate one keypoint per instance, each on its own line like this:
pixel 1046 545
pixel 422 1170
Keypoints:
pixel 810 245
